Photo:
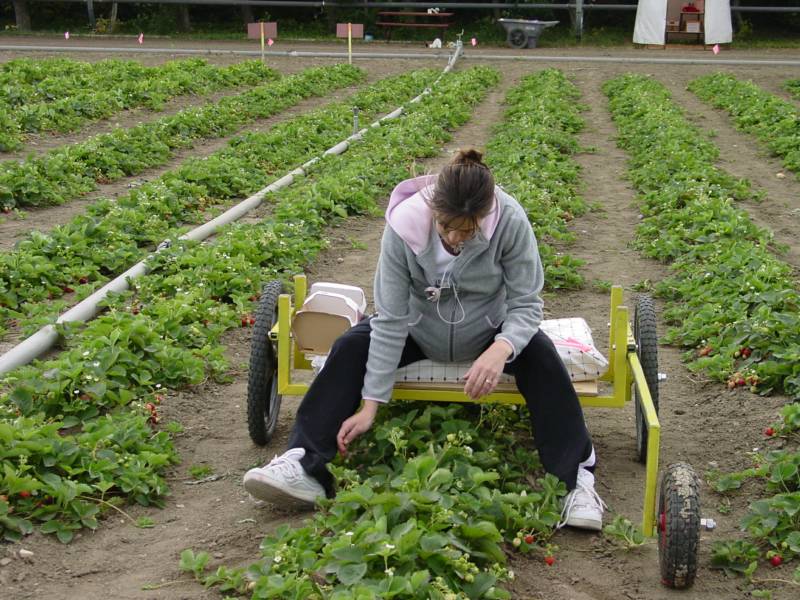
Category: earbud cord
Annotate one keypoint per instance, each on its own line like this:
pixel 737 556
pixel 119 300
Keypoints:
pixel 447 279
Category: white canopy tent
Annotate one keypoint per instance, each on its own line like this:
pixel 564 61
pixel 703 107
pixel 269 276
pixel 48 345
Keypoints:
pixel 651 20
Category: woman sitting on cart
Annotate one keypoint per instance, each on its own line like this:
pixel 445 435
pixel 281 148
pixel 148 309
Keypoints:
pixel 458 279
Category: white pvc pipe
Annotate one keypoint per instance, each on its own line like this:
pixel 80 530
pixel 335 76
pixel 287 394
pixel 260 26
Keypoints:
pixel 88 308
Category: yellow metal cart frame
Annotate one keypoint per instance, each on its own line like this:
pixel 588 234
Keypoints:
pixel 624 372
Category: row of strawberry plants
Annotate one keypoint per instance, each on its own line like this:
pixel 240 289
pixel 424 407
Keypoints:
pixel 69 103
pixel 31 81
pixel 754 110
pixel 531 155
pixel 112 235
pixel 482 497
pixel 730 297
pixel 167 336
pixel 72 170
pixel 27 71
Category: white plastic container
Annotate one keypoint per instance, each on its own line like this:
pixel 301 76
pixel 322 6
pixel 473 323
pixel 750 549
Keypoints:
pixel 329 310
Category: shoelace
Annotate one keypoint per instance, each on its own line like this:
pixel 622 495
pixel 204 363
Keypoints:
pixel 593 500
pixel 286 466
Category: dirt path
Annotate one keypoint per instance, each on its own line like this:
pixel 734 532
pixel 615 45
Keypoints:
pixel 703 422
pixel 743 156
pixel 14 228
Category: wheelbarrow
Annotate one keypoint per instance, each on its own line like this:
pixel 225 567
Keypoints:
pixel 522 33
pixel 671 510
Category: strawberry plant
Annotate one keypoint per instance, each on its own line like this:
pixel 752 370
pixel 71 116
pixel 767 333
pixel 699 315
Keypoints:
pixel 530 154
pixel 754 110
pixel 624 533
pixel 793 85
pixel 427 508
pixel 67 172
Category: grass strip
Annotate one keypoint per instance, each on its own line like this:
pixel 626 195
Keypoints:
pixel 85 253
pixel 774 121
pixel 64 103
pixel 67 172
pixel 531 156
pixel 730 299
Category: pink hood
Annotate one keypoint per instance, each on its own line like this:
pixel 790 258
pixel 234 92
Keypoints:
pixel 411 217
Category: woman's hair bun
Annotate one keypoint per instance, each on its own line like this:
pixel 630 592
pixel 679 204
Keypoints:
pixel 469 156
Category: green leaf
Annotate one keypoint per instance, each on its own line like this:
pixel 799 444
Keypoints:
pixel 351 573
pixel 349 554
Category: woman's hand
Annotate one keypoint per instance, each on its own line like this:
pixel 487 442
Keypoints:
pixel 356 425
pixel 485 372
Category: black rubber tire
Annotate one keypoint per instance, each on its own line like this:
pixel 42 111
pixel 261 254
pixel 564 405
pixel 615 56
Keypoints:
pixel 644 332
pixel 263 400
pixel 678 524
pixel 517 38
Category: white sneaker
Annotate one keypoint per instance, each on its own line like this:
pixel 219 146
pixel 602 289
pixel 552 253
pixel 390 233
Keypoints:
pixel 284 482
pixel 582 506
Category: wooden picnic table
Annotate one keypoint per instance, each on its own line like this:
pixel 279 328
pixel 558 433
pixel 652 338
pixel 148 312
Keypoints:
pixel 390 19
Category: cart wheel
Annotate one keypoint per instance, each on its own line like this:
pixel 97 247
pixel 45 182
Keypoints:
pixel 644 332
pixel 263 400
pixel 517 38
pixel 678 525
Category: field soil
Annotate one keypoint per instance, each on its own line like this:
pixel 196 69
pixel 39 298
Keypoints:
pixel 703 423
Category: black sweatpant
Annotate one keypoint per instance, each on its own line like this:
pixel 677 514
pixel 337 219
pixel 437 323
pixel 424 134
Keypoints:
pixel 335 395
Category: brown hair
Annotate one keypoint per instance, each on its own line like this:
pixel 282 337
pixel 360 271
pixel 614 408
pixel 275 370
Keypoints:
pixel 464 188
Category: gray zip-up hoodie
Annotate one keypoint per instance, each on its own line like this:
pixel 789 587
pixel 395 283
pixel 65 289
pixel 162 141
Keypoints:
pixel 496 279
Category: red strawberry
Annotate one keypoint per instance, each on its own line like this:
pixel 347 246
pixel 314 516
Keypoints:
pixel 252 321
pixel 776 561
pixel 740 381
pixel 244 321
pixel 83 280
pixel 24 494
pixel 769 432
pixel 529 539
pixel 549 560
pixel 746 352
pixel 67 290
pixel 705 351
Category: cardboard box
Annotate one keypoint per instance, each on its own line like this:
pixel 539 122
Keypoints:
pixel 693 27
pixel 329 310
pixel 270 30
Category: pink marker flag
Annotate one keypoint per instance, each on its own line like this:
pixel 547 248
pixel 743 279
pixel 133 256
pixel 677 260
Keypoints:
pixel 66 35
pixel 715 49
pixel 474 41
pixel 270 42
pixel 141 38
